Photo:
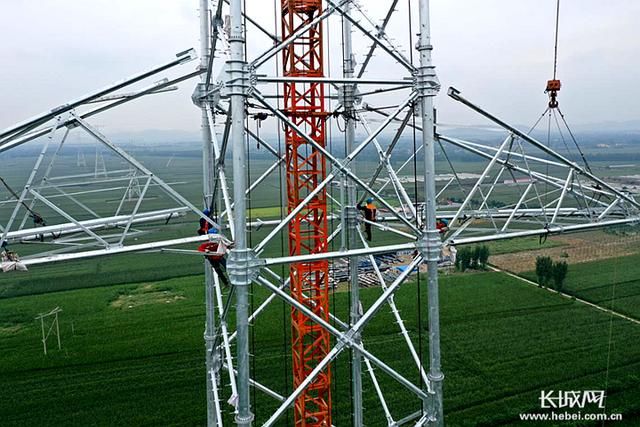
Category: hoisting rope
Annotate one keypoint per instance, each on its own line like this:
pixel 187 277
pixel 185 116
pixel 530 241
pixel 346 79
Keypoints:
pixel 553 86
pixel 36 216
pixel 555 47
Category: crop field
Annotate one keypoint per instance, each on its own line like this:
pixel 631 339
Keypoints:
pixel 611 283
pixel 133 354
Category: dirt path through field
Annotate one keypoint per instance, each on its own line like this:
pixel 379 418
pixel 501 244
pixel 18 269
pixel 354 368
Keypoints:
pixel 575 249
pixel 573 297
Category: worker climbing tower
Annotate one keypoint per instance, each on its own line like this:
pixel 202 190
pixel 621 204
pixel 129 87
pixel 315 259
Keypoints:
pixel 304 104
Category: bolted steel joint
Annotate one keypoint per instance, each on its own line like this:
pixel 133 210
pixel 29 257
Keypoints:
pixel 243 266
pixel 430 246
pixel 425 81
pixel 244 421
pixel 435 377
pixel 198 94
pixel 238 80
pixel 348 96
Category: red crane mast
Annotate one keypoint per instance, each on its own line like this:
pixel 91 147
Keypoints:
pixel 304 104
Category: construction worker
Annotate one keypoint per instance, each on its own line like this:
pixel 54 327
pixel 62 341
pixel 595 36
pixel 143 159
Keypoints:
pixel 442 225
pixel 9 261
pixel 216 252
pixel 369 211
pixel 38 221
pixel 204 224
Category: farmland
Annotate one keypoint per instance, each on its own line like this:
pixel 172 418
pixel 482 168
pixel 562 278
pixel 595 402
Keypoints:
pixel 132 349
pixel 135 355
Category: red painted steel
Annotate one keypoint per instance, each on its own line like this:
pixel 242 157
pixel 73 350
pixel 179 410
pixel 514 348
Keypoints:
pixel 304 104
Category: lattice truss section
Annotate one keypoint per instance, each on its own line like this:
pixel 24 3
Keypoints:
pixel 304 105
pixel 70 204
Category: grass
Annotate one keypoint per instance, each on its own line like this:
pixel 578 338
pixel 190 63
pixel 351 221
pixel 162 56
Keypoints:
pixel 502 343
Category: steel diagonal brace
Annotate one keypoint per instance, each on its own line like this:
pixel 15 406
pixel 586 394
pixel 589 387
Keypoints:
pixel 396 313
pixel 215 23
pixel 385 161
pixel 181 58
pixel 389 150
pixel 69 218
pixel 293 37
pixel 221 174
pixel 455 94
pixel 377 37
pixel 338 166
pixel 258 26
pixel 346 340
pixel 381 29
pixel 136 164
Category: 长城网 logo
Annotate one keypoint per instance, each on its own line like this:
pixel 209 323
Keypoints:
pixel 556 399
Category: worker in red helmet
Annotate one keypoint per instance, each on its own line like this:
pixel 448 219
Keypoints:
pixel 442 226
pixel 369 211
pixel 215 251
pixel 204 224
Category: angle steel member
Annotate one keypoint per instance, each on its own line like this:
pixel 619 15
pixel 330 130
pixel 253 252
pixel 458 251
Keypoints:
pixel 304 104
pixel 18 129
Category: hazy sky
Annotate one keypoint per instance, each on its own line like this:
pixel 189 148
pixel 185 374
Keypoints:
pixel 498 52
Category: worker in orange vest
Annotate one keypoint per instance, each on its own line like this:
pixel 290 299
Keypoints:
pixel 369 211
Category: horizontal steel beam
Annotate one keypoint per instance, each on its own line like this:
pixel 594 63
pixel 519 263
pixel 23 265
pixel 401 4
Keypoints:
pixel 112 251
pixel 92 224
pixel 181 58
pixel 275 79
pixel 554 229
pixel 9 143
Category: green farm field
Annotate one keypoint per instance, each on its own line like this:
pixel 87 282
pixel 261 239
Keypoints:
pixel 133 354
pixel 611 283
pixel 132 326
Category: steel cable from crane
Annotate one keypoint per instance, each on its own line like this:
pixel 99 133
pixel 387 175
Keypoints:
pixel 555 45
pixel 286 344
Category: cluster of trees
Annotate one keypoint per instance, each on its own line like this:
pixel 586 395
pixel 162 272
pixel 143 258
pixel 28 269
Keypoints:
pixel 549 272
pixel 472 258
pixel 475 203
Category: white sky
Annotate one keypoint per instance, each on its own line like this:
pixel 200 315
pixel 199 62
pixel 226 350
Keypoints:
pixel 498 52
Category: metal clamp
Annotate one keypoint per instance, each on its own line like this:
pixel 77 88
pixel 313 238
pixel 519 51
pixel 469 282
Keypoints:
pixel 238 80
pixel 243 266
pixel 425 81
pixel 430 246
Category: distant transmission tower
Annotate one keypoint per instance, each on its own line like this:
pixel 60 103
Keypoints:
pixel 53 327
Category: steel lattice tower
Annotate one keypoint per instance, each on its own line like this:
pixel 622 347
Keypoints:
pixel 304 104
pixel 546 193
